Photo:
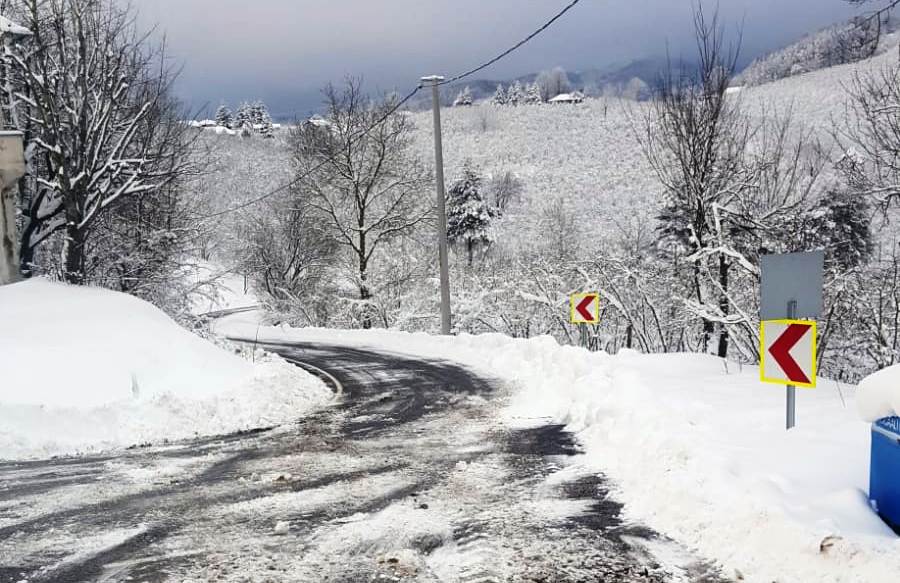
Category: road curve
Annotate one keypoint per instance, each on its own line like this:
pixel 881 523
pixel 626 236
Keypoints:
pixel 408 476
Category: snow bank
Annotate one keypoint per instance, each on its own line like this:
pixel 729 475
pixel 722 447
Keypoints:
pixel 697 448
pixel 85 369
pixel 878 394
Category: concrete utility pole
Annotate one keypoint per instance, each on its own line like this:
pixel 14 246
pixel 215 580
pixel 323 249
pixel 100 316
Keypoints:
pixel 435 81
pixel 12 168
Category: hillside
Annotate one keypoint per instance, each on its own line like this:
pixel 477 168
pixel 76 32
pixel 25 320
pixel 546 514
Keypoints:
pixel 588 157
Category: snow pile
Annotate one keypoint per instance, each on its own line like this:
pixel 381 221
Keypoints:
pixel 878 394
pixel 85 369
pixel 697 447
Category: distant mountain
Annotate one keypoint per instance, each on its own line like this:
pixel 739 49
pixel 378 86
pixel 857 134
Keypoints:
pixel 633 79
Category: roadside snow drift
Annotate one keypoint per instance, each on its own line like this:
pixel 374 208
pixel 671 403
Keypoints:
pixel 696 446
pixel 86 369
pixel 878 395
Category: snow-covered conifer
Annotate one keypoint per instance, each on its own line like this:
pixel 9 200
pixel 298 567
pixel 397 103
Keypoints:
pixel 469 216
pixel 499 97
pixel 243 119
pixel 223 116
pixel 262 120
pixel 464 98
pixel 516 94
pixel 532 94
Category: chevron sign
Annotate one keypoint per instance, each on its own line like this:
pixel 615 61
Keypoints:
pixel 788 352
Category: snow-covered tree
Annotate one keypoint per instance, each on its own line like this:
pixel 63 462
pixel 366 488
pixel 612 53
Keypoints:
pixel 367 191
pixel 532 94
pixel 469 215
pixel 224 116
pixel 464 98
pixel 499 97
pixel 101 127
pixel 257 111
pixel 636 89
pixel 516 94
pixel 695 139
pixel 262 120
pixel 553 82
pixel 871 135
pixel 243 119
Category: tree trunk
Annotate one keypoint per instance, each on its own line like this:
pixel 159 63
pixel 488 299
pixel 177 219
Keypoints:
pixel 470 247
pixel 26 259
pixel 723 306
pixel 707 324
pixel 365 295
pixel 73 254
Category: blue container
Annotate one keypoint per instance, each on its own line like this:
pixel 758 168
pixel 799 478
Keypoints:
pixel 884 476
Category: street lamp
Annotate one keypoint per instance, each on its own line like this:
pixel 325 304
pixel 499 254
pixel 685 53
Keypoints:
pixel 12 168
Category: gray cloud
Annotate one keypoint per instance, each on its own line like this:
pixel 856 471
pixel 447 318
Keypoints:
pixel 283 51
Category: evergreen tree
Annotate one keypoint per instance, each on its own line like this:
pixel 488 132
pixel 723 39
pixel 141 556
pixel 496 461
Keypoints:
pixel 265 125
pixel 469 216
pixel 533 94
pixel 224 117
pixel 258 114
pixel 515 95
pixel 499 97
pixel 841 224
pixel 243 119
pixel 464 98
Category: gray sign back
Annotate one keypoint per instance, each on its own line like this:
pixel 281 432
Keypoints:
pixel 791 277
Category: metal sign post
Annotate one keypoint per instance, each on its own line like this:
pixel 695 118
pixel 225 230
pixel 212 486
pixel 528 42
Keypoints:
pixel 791 389
pixel 792 281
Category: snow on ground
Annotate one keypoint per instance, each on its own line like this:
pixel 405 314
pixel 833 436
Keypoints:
pixel 87 369
pixel 697 448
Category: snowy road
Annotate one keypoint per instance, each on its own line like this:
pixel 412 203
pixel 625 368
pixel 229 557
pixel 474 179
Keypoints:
pixel 408 477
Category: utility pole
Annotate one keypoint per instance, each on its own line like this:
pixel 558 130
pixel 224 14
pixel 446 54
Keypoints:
pixel 435 82
pixel 12 168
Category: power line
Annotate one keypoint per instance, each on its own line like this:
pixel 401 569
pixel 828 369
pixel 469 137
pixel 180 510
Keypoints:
pixel 394 109
pixel 515 47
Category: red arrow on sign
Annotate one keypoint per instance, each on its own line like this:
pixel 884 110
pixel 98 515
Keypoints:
pixel 583 308
pixel 781 352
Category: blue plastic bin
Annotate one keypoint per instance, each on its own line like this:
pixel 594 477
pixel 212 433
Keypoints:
pixel 884 476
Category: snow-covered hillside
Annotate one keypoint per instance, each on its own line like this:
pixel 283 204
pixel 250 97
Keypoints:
pixel 85 369
pixel 588 155
pixel 816 99
pixel 585 156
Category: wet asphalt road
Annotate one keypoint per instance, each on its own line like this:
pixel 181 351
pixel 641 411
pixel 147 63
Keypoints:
pixel 407 476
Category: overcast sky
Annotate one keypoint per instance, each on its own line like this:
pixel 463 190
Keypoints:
pixel 283 51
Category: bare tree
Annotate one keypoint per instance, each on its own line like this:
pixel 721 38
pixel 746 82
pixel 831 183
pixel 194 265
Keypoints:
pixel 871 136
pixel 553 83
pixel 288 252
pixel 504 189
pixel 695 140
pixel 361 176
pixel 883 6
pixel 93 96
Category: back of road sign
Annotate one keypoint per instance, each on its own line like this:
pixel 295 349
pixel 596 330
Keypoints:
pixel 791 279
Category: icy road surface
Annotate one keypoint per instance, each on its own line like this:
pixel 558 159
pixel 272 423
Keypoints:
pixel 408 477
